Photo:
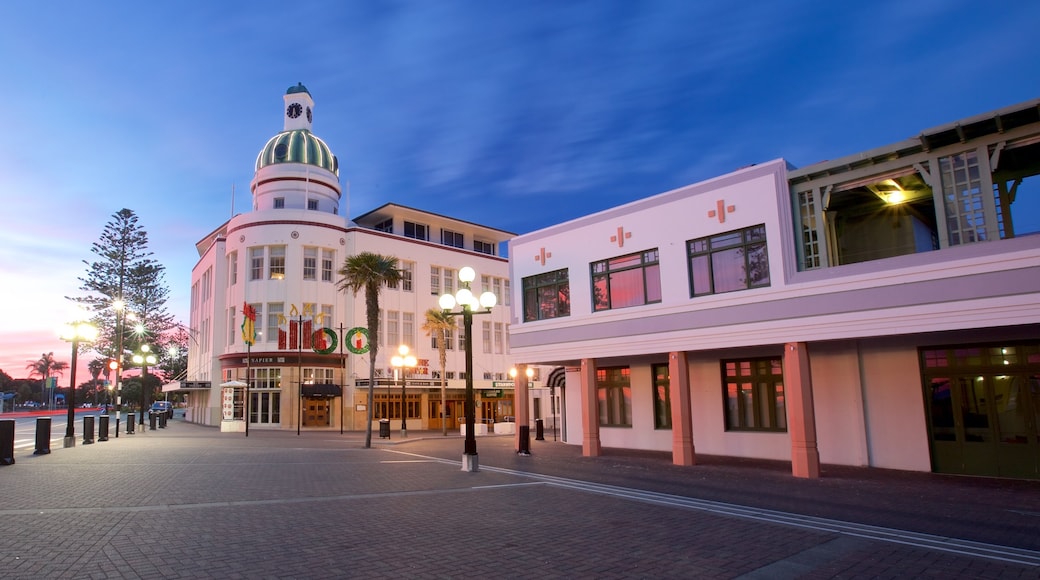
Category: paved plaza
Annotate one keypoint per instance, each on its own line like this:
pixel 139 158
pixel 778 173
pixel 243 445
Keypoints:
pixel 190 502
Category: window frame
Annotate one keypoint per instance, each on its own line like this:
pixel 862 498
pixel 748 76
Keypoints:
pixel 532 295
pixel 708 252
pixel 758 385
pixel 649 261
pixel 614 396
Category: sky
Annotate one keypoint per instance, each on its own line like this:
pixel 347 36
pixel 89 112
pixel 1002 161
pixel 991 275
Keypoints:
pixel 515 115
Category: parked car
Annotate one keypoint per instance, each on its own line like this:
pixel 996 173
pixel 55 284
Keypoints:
pixel 162 408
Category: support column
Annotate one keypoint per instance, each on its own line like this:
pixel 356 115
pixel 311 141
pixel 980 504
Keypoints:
pixel 590 445
pixel 522 438
pixel 801 415
pixel 682 413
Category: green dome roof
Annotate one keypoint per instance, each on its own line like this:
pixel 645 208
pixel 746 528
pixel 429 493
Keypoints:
pixel 298 146
pixel 299 88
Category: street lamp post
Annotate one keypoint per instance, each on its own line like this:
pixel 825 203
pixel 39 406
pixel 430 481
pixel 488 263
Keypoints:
pixel 401 362
pixel 470 305
pixel 75 333
pixel 144 358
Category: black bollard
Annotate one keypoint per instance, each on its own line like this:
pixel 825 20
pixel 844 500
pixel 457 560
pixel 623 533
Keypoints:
pixel 7 442
pixel 539 430
pixel 151 421
pixel 103 428
pixel 117 425
pixel 130 425
pixel 162 420
pixel 525 440
pixel 43 436
pixel 88 429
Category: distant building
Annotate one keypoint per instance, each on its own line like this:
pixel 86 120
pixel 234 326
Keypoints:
pixel 875 310
pixel 282 259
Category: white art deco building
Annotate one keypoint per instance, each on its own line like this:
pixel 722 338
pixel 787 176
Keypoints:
pixel 282 259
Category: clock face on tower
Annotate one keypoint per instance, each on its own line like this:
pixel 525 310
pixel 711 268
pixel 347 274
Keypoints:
pixel 294 110
pixel 309 118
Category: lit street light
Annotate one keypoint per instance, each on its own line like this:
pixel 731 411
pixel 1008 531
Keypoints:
pixel 402 361
pixel 470 305
pixel 144 358
pixel 75 333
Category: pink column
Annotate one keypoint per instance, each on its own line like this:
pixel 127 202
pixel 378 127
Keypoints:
pixel 520 404
pixel 590 445
pixel 682 419
pixel 801 416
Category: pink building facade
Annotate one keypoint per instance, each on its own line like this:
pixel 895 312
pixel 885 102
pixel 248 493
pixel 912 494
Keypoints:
pixel 876 310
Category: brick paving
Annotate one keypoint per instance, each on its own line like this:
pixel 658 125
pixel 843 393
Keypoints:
pixel 190 502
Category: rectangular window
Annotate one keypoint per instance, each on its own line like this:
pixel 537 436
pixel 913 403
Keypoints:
pixel 312 204
pixel 462 336
pixel 276 270
pixel 662 397
pixel 496 289
pixel 810 233
pixel 507 300
pixel 484 247
pixel 232 329
pixel 310 263
pixel 731 261
pixel 393 328
pixel 416 231
pixel 256 263
pixel 407 274
pixel 499 338
pixel 386 226
pixel 275 312
pixel 625 281
pixel 408 329
pixel 614 391
pixel 327 320
pixel 449 281
pixel 454 239
pixel 279 202
pixel 485 327
pixel 327 259
pixel 435 281
pixel 754 394
pixel 232 268
pixel 547 295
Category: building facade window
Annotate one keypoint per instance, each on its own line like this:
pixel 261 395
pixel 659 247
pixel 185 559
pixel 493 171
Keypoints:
pixel 407 275
pixel 275 313
pixel 408 329
pixel 631 280
pixel 393 327
pixel 327 318
pixel 453 239
pixel 279 203
pixel 316 376
pixel 485 327
pixel 963 197
pixel 435 281
pixel 754 393
pixel 810 232
pixel 310 263
pixel 449 280
pixel 547 295
pixel 500 340
pixel 312 204
pixel 614 391
pixel 328 258
pixel 662 397
pixel 256 263
pixel 416 231
pixel 265 398
pixel 276 268
pixel 232 268
pixel 735 260
pixel 386 226
pixel 232 330
pixel 484 247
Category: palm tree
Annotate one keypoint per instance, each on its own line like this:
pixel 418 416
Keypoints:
pixel 369 271
pixel 97 366
pixel 438 325
pixel 45 366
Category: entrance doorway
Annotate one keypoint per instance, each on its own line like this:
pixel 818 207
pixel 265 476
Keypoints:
pixel 317 411
pixel 983 408
pixel 452 413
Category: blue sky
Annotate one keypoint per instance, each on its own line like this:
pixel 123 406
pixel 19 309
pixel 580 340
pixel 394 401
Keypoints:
pixel 517 115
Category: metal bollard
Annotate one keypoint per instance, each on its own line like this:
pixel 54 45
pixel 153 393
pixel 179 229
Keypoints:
pixel 151 421
pixel 117 425
pixel 525 441
pixel 43 436
pixel 162 420
pixel 539 430
pixel 130 425
pixel 103 428
pixel 7 442
pixel 88 429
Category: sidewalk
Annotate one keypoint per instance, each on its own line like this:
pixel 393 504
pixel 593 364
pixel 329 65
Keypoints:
pixel 188 501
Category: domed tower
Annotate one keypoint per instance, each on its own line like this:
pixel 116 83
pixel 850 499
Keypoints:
pixel 296 169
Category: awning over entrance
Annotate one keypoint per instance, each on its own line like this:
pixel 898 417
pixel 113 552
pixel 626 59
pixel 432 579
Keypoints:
pixel 322 390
